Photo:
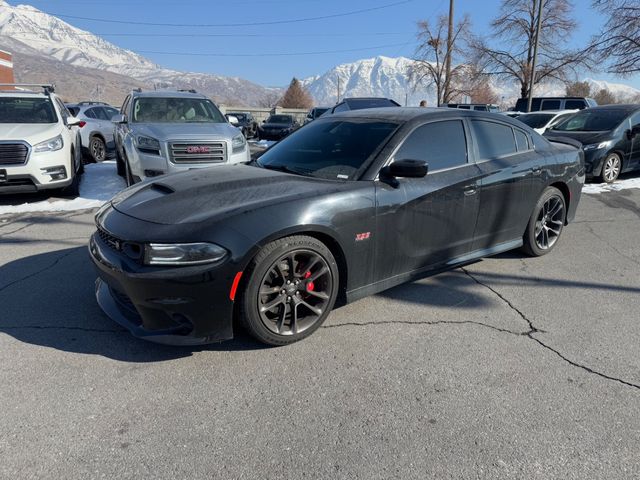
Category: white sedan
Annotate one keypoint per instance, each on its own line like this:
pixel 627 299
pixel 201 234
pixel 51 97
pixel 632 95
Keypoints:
pixel 543 120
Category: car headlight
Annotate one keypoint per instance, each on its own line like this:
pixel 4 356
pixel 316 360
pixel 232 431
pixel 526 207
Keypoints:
pixel 183 253
pixel 50 145
pixel 598 146
pixel 148 144
pixel 238 143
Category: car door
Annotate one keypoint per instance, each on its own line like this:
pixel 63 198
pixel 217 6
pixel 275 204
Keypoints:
pixel 423 223
pixel 634 158
pixel 510 184
pixel 120 129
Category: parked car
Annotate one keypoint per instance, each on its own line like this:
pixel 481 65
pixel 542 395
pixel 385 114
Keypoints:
pixel 159 132
pixel 482 107
pixel 512 113
pixel 541 121
pixel 276 127
pixel 555 103
pixel 349 205
pixel 246 123
pixel 39 141
pixel 96 128
pixel 359 103
pixel 610 135
pixel 315 113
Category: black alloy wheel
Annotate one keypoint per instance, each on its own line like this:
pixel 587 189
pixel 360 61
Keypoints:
pixel 291 290
pixel 97 149
pixel 611 168
pixel 546 223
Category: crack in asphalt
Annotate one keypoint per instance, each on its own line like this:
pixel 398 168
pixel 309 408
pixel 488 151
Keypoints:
pixel 608 244
pixel 425 322
pixel 42 270
pixel 533 330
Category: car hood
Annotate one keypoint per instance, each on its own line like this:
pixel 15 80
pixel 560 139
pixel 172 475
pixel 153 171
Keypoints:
pixel 179 131
pixel 585 138
pixel 31 133
pixel 210 194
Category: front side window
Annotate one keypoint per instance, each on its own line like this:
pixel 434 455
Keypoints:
pixel 27 110
pixel 175 110
pixel 550 105
pixel 441 144
pixel 592 120
pixel 536 120
pixel 574 104
pixel 494 139
pixel 330 149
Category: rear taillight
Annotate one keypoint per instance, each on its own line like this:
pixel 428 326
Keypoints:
pixel 82 124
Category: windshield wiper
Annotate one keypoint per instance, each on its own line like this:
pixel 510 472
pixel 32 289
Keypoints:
pixel 285 169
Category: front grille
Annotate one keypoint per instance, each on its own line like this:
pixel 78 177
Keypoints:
pixel 198 152
pixel 14 153
pixel 110 240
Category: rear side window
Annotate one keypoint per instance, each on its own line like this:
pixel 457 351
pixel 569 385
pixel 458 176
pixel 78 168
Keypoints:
pixel 343 107
pixel 574 104
pixel 550 105
pixel 91 113
pixel 493 139
pixel 440 144
pixel 522 141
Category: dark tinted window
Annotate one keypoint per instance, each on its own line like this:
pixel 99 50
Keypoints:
pixel 110 112
pixel 440 144
pixel 574 104
pixel 342 107
pixel 521 140
pixel 280 119
pixel 125 106
pixel 26 110
pixel 73 110
pixel 91 113
pixel 592 120
pixel 521 104
pixel 332 149
pixel 550 105
pixel 464 107
pixel 493 139
pixel 536 120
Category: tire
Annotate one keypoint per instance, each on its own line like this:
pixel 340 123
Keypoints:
pixel 611 168
pixel 283 302
pixel 546 223
pixel 127 173
pixel 120 169
pixel 97 149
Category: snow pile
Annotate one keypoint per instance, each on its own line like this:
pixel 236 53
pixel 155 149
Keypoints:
pixel 98 184
pixel 595 188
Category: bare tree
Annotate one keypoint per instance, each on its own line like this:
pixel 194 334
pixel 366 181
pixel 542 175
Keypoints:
pixel 508 51
pixel 270 100
pixel 296 96
pixel 481 91
pixel 578 89
pixel 430 64
pixel 619 41
pixel 605 97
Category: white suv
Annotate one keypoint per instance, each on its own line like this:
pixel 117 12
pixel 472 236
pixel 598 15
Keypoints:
pixel 39 142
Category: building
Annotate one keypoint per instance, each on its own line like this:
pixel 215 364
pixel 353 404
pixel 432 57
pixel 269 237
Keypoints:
pixel 6 67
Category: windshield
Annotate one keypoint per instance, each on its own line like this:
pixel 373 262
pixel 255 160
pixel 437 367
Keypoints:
pixel 26 110
pixel 280 119
pixel 176 110
pixel 536 120
pixel 333 149
pixel 240 116
pixel 592 121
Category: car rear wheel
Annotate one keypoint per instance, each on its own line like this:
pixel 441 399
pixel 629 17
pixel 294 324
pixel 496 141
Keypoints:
pixel 127 173
pixel 120 168
pixel 546 223
pixel 291 288
pixel 611 168
pixel 97 149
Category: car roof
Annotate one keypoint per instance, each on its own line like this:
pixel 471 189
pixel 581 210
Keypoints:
pixel 22 93
pixel 551 112
pixel 167 94
pixel 406 114
pixel 625 107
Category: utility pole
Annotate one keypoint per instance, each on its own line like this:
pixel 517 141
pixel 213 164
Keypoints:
pixel 535 56
pixel 447 60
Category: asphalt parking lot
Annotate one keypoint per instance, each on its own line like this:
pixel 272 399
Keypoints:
pixel 510 368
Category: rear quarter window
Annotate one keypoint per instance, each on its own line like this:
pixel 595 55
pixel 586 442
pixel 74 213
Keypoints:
pixel 493 139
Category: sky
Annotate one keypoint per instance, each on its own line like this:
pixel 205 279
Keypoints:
pixel 272 53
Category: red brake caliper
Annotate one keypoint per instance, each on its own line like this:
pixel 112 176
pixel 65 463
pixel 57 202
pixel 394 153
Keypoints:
pixel 310 285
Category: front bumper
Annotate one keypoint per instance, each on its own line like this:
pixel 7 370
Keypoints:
pixel 32 176
pixel 593 161
pixel 176 305
pixel 273 134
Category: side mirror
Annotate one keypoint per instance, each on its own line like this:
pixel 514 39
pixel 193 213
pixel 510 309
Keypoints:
pixel 119 118
pixel 233 120
pixel 406 169
pixel 73 121
pixel 633 132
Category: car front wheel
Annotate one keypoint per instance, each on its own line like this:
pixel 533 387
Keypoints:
pixel 611 168
pixel 292 285
pixel 546 223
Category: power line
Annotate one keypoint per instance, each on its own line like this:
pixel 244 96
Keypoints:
pixel 247 24
pixel 240 35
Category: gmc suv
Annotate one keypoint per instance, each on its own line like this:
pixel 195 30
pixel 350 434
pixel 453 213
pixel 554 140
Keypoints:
pixel 160 132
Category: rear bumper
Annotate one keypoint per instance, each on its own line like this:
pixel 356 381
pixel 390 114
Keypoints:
pixel 176 306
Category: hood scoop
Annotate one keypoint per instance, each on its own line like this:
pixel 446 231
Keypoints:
pixel 162 188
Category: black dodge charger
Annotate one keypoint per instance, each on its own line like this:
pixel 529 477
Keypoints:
pixel 345 207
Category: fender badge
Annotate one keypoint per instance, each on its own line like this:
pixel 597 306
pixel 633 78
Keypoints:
pixel 363 236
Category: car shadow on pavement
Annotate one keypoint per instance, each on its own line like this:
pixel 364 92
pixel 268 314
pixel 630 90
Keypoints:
pixel 49 300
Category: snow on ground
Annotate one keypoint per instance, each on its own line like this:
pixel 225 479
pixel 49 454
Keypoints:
pixel 618 185
pixel 98 184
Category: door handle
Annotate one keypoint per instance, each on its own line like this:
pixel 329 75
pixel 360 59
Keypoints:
pixel 470 189
pixel 536 169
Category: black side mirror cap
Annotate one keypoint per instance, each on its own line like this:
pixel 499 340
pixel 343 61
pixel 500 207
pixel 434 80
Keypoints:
pixel 633 132
pixel 406 169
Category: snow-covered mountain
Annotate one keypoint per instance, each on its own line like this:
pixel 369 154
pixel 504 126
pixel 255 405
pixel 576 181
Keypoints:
pixel 57 40
pixel 371 77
